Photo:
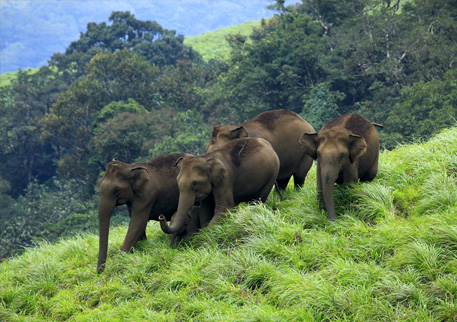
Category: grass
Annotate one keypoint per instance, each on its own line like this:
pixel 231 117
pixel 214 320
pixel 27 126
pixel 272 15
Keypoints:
pixel 391 256
pixel 213 45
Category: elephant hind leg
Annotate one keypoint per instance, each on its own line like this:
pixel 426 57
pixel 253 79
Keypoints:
pixel 372 171
pixel 265 192
pixel 302 170
pixel 282 183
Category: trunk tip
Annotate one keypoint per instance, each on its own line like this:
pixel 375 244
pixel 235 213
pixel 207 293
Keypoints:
pixel 162 218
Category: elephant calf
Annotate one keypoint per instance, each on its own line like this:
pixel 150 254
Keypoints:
pixel 148 189
pixel 346 149
pixel 241 170
pixel 283 130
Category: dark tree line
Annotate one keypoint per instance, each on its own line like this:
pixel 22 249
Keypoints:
pixel 131 89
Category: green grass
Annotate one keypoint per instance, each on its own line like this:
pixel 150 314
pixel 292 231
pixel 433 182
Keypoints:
pixel 213 45
pixel 391 256
pixel 7 78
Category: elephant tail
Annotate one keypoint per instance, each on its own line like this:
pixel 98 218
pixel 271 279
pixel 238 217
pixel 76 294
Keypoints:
pixel 378 125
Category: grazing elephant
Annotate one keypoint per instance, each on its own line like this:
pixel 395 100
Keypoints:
pixel 242 170
pixel 283 130
pixel 346 149
pixel 149 189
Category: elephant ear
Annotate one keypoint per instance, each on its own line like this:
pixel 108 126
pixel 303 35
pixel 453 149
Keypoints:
pixel 140 176
pixel 309 144
pixel 357 148
pixel 217 171
pixel 238 133
pixel 178 162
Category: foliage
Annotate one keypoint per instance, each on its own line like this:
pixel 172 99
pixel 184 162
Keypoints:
pixel 24 157
pixel 428 107
pixel 321 105
pixel 282 261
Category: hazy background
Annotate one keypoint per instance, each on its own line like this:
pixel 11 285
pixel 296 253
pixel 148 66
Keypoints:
pixel 33 30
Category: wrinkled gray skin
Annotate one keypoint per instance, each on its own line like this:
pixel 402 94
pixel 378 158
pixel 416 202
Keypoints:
pixel 242 170
pixel 346 149
pixel 148 189
pixel 191 225
pixel 283 130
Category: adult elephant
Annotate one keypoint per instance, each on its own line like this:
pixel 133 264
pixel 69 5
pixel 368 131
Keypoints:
pixel 242 170
pixel 148 189
pixel 346 149
pixel 283 130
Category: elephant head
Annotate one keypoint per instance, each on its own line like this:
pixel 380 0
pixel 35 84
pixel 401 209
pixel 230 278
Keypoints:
pixel 337 152
pixel 224 133
pixel 117 187
pixel 196 179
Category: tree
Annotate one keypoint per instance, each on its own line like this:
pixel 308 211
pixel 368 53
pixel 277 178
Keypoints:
pixel 157 45
pixel 424 110
pixel 321 105
pixel 24 157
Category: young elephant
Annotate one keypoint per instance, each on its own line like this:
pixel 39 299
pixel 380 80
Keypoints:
pixel 242 170
pixel 346 149
pixel 149 189
pixel 283 130
pixel 191 225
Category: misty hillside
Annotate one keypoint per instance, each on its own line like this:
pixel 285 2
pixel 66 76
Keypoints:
pixel 391 256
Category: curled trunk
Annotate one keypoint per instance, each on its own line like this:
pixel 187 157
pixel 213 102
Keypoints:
pixel 184 206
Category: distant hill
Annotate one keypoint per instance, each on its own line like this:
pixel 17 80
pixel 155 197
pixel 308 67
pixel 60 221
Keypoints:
pixel 210 45
pixel 391 256
pixel 213 45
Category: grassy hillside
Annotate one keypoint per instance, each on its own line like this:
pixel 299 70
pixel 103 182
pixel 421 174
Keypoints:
pixel 391 256
pixel 212 45
pixel 6 78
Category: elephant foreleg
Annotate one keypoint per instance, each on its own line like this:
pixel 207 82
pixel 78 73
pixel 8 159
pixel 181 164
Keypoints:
pixel 137 228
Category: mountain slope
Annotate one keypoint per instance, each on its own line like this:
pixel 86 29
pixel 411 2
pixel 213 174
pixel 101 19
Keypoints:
pixel 391 256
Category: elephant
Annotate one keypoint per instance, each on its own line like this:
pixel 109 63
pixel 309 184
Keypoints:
pixel 346 149
pixel 283 130
pixel 242 170
pixel 192 224
pixel 148 189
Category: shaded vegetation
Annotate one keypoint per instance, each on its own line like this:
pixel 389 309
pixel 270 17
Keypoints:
pixel 390 256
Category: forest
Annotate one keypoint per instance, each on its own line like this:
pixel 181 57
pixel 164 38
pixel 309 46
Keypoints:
pixel 131 90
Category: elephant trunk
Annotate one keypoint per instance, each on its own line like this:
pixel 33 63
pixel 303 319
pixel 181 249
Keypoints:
pixel 184 206
pixel 105 210
pixel 328 184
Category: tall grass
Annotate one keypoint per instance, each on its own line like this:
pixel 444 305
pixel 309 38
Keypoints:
pixel 391 256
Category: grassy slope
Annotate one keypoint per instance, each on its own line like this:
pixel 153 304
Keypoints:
pixel 391 256
pixel 212 45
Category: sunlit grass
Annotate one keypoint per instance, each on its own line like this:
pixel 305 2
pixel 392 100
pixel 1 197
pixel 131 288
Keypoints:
pixel 390 256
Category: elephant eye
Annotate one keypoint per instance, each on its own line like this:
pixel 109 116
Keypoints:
pixel 194 183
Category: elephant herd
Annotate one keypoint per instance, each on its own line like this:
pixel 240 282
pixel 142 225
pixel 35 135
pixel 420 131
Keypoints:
pixel 243 162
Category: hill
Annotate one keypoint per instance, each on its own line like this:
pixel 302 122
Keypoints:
pixel 213 45
pixel 391 256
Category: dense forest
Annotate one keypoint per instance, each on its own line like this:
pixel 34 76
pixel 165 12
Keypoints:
pixel 132 90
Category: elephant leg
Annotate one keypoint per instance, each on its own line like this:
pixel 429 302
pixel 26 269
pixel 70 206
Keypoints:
pixel 282 183
pixel 143 236
pixel 300 175
pixel 137 228
pixel 372 171
pixel 206 211
pixel 266 190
